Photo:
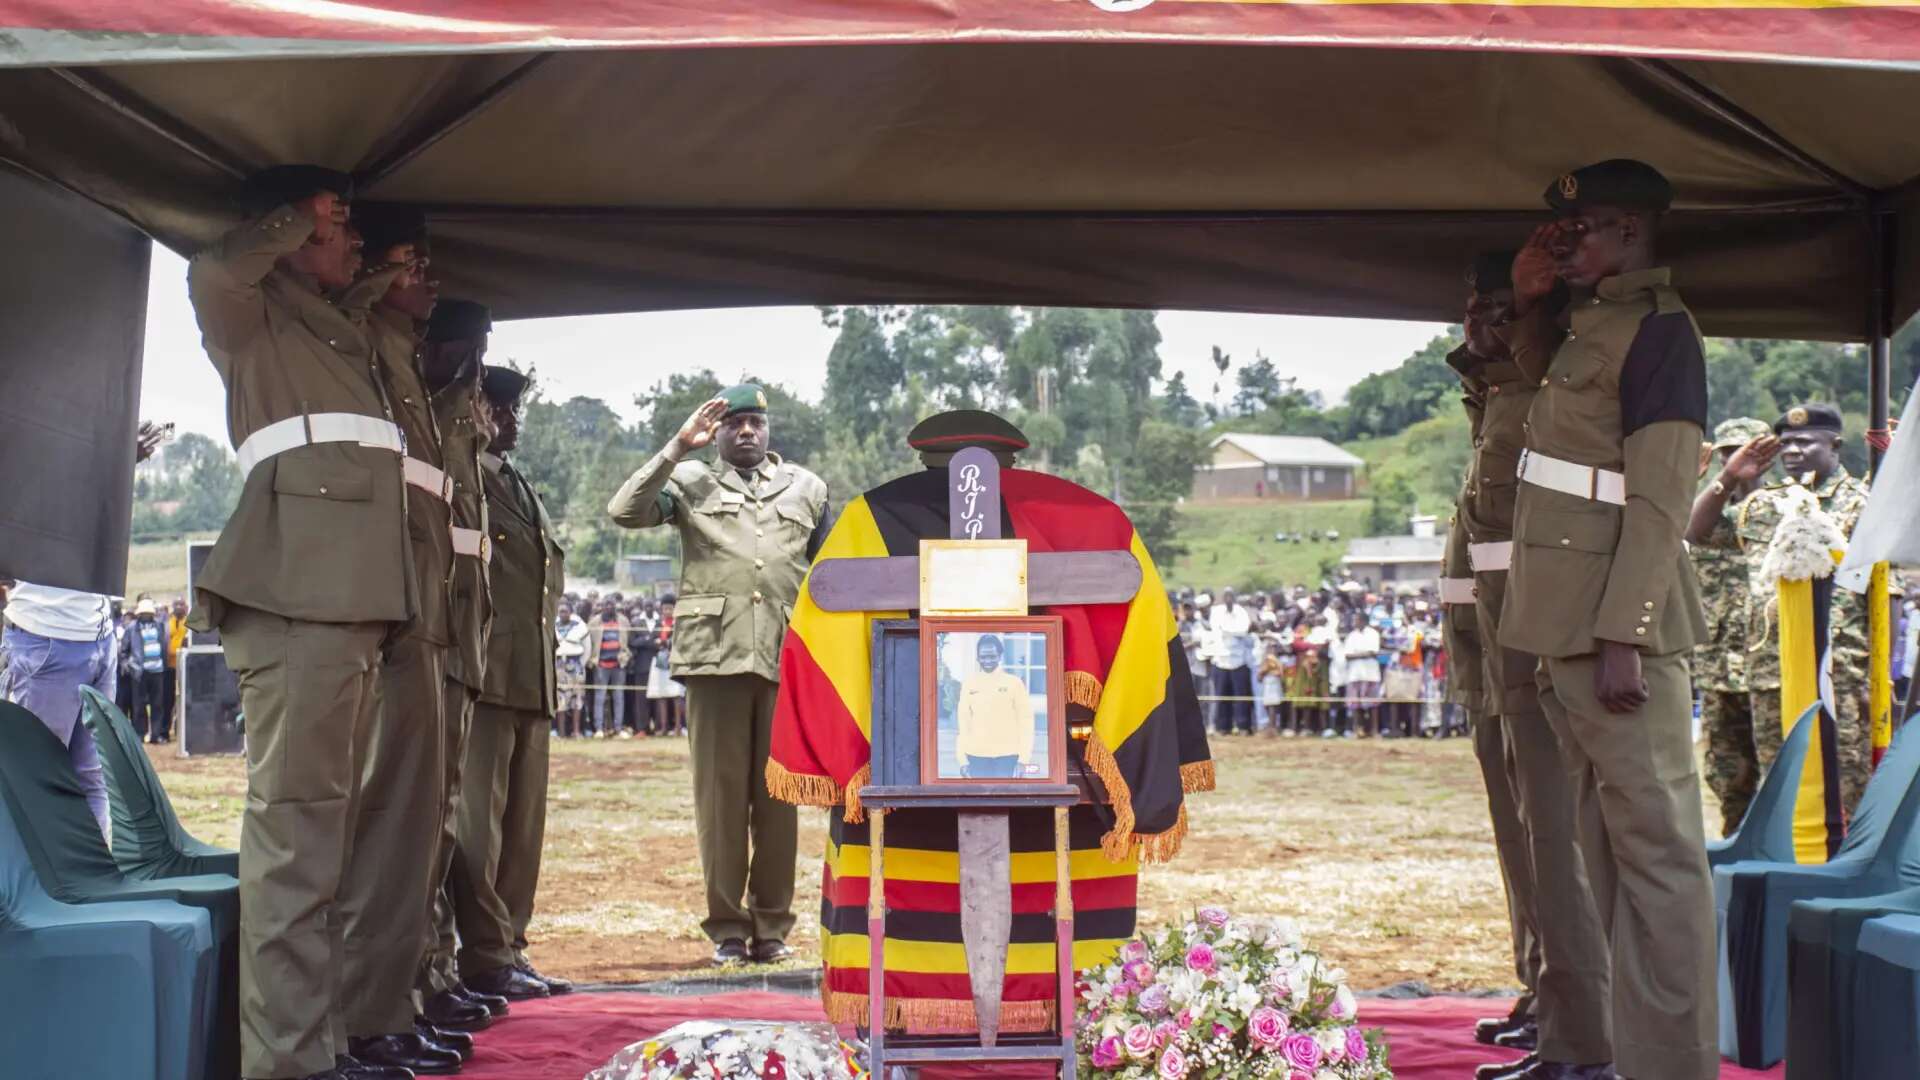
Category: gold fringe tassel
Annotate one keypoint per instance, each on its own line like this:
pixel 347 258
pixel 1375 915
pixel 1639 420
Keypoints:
pixel 1196 776
pixel 1122 841
pixel 936 1015
pixel 855 812
pixel 1083 689
pixel 1163 846
pixel 801 789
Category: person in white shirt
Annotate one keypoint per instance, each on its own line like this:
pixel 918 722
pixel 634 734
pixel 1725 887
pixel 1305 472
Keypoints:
pixel 1233 667
pixel 57 641
pixel 570 670
pixel 1362 648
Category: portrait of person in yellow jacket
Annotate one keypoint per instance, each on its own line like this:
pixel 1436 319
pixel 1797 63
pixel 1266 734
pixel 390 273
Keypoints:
pixel 997 726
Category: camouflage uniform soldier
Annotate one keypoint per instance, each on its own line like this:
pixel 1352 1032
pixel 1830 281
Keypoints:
pixel 1745 448
pixel 1810 454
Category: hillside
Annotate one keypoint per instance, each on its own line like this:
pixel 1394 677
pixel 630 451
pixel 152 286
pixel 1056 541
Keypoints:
pixel 1231 542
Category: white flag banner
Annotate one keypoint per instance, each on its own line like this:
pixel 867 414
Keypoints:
pixel 1889 528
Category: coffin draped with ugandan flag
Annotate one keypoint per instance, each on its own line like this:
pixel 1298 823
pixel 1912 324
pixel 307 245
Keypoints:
pixel 1125 672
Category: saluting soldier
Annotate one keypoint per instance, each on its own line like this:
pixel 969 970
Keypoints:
pixel 503 791
pixel 1744 448
pixel 1810 440
pixel 387 900
pixel 452 362
pixel 1601 590
pixel 749 526
pixel 1573 986
pixel 309 577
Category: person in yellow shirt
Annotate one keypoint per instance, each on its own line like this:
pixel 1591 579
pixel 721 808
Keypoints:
pixel 995 718
pixel 175 641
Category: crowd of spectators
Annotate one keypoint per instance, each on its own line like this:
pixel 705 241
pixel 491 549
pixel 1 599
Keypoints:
pixel 611 664
pixel 1339 661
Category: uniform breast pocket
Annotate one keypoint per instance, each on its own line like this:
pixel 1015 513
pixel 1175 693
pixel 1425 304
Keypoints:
pixel 1496 484
pixel 338 480
pixel 715 522
pixel 796 521
pixel 697 637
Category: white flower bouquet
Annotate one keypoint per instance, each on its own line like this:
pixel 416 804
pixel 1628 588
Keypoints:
pixel 739 1048
pixel 1224 997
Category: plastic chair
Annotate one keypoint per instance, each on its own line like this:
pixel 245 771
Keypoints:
pixel 1886 1027
pixel 146 966
pixel 148 839
pixel 1766 831
pixel 1823 941
pixel 1752 901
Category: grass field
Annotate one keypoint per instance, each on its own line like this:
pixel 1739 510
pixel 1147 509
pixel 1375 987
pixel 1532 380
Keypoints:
pixel 1380 849
pixel 1230 542
pixel 159 568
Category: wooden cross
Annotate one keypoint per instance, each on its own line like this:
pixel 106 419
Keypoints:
pixel 985 849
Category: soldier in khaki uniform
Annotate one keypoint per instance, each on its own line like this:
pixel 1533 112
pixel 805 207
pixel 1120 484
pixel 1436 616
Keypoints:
pixel 503 790
pixel 451 363
pixel 1601 590
pixel 1745 447
pixel 308 579
pixel 387 897
pixel 1810 442
pixel 1572 983
pixel 749 525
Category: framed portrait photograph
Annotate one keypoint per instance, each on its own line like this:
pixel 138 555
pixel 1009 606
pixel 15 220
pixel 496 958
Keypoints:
pixel 992 707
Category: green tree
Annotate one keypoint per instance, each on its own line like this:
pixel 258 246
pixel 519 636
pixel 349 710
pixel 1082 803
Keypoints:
pixel 1259 386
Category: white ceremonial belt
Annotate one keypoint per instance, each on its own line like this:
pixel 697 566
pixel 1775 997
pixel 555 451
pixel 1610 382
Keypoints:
pixel 1487 558
pixel 1457 590
pixel 1585 481
pixel 297 431
pixel 428 479
pixel 471 542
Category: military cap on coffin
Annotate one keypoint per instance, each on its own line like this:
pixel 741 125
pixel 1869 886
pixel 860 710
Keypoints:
pixel 948 432
pixel 459 320
pixel 283 184
pixel 1813 416
pixel 503 386
pixel 1621 182
pixel 747 397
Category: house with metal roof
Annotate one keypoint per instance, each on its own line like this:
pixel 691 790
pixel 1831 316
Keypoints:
pixel 1295 467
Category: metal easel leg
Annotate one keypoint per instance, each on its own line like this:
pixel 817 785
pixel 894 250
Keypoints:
pixel 877 941
pixel 1063 937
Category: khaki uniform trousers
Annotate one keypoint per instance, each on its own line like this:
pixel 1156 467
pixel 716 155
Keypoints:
pixel 749 885
pixel 386 900
pixel 1510 847
pixel 307 691
pixel 437 971
pixel 502 825
pixel 1636 800
pixel 1733 763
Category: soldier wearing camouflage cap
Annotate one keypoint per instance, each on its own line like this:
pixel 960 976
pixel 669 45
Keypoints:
pixel 749 526
pixel 1743 448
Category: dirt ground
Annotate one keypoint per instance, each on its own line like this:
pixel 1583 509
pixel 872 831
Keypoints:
pixel 1380 850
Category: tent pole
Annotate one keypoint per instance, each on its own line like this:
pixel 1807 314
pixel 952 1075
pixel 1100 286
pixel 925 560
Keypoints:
pixel 111 95
pixel 1880 220
pixel 443 126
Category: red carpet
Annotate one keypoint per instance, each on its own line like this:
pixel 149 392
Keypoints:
pixel 563 1038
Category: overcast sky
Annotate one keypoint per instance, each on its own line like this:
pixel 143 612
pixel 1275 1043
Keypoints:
pixel 615 357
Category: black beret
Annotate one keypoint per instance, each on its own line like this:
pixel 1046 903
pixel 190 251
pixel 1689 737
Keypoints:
pixel 956 430
pixel 282 184
pixel 1813 416
pixel 458 320
pixel 503 385
pixel 1491 270
pixel 382 225
pixel 1621 182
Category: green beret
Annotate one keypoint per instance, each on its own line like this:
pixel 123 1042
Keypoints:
pixel 458 320
pixel 1813 416
pixel 284 184
pixel 956 430
pixel 1491 270
pixel 1738 432
pixel 382 225
pixel 503 385
pixel 745 398
pixel 1621 182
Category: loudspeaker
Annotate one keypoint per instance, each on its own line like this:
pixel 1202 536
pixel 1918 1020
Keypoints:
pixel 197 552
pixel 210 721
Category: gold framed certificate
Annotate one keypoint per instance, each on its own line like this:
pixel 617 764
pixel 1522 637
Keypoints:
pixel 973 577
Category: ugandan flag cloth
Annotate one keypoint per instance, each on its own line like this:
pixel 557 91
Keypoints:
pixel 1127 687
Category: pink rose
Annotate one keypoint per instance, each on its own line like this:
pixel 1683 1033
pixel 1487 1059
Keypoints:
pixel 1356 1045
pixel 1173 1064
pixel 1221 1031
pixel 1163 1033
pixel 1124 989
pixel 1134 952
pixel 1267 1026
pixel 1184 1019
pixel 1200 958
pixel 1153 1000
pixel 1139 972
pixel 1215 917
pixel 1301 1052
pixel 1106 1053
pixel 1138 1042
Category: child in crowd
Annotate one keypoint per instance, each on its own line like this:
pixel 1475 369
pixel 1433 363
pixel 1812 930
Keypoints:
pixel 1272 687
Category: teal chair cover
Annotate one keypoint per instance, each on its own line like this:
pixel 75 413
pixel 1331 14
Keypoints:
pixel 1886 1027
pixel 1752 899
pixel 1766 832
pixel 148 839
pixel 146 966
pixel 71 861
pixel 1823 942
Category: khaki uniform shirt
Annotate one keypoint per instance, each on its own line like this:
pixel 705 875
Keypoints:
pixel 429 516
pixel 320 532
pixel 744 548
pixel 529 576
pixel 1460 629
pixel 1719 661
pixel 1843 498
pixel 1623 390
pixel 470 614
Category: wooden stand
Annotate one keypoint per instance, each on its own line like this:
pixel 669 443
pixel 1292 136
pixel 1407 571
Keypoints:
pixel 907 1050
